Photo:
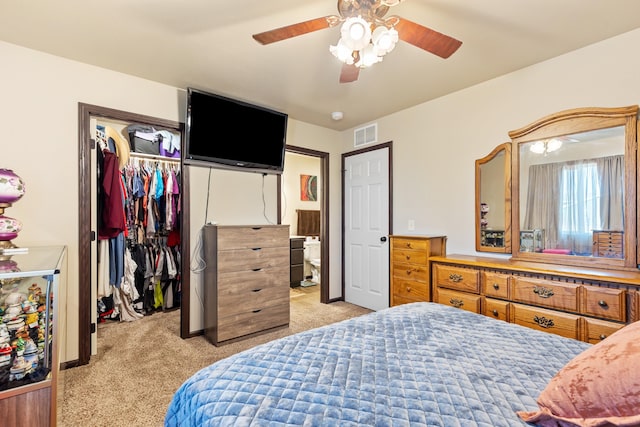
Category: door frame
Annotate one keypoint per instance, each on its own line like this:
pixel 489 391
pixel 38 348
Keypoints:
pixel 381 146
pixel 324 215
pixel 86 235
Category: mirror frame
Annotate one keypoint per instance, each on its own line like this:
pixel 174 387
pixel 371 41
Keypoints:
pixel 506 147
pixel 570 122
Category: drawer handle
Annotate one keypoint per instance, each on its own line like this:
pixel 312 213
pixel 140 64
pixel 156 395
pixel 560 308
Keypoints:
pixel 408 288
pixel 411 270
pixel 256 269
pixel 544 322
pixel 408 257
pixel 256 290
pixel 456 302
pixel 602 336
pixel 256 249
pixel 496 286
pixel 256 228
pixel 257 311
pixel 408 244
pixel 603 304
pixel 455 277
pixel 495 312
pixel 543 292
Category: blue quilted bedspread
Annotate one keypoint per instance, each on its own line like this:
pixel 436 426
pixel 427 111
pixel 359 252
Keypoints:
pixel 420 364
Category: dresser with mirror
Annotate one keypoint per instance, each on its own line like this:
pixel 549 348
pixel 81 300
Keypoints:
pixel 561 198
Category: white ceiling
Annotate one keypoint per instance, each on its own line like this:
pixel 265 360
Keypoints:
pixel 207 44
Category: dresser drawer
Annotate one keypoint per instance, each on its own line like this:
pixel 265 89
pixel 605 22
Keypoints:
pixel 495 284
pixel 411 290
pixel 418 273
pixel 297 256
pixel 547 293
pixel 597 330
pixel 604 302
pixel 409 256
pixel 236 300
pixel 250 280
pixel 252 259
pixel 465 301
pixel 413 244
pixel 463 279
pixel 497 309
pixel 251 237
pixel 256 320
pixel 564 324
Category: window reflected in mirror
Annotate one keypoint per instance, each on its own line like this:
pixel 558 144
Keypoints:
pixel 572 193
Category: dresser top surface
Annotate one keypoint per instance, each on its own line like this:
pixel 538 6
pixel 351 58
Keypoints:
pixel 629 277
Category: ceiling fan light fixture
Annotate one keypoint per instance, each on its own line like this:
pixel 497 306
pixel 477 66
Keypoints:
pixel 538 147
pixel 342 52
pixel 385 39
pixel 356 33
pixel 553 144
pixel 368 56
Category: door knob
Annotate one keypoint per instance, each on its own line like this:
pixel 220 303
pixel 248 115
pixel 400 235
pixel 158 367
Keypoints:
pixel 383 239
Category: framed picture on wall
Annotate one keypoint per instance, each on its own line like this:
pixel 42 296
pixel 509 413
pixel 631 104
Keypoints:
pixel 309 188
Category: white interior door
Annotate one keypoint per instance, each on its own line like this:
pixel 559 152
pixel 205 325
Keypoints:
pixel 366 218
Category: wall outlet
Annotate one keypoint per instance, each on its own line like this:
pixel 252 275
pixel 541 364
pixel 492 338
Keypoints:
pixel 411 225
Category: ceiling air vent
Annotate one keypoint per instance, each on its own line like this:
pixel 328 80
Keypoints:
pixel 365 135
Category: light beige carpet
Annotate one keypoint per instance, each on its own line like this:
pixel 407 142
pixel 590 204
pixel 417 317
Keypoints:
pixel 140 365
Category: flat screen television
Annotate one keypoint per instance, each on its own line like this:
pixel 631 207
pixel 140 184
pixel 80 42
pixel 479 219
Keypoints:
pixel 230 134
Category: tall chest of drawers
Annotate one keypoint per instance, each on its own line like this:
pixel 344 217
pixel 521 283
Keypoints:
pixel 246 280
pixel 410 266
pixel 580 303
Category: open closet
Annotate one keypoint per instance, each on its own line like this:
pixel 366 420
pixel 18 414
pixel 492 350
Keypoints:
pixel 131 198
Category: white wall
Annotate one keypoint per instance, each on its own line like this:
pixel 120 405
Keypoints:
pixel 436 143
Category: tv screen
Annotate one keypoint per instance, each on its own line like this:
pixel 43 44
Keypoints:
pixel 231 134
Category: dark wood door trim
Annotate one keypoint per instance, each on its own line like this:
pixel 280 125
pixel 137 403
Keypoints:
pixel 85 256
pixel 324 214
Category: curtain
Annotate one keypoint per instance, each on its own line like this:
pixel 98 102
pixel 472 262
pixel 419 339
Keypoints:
pixel 569 200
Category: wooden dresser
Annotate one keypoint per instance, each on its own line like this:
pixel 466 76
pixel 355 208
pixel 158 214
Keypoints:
pixel 576 302
pixel 410 266
pixel 246 280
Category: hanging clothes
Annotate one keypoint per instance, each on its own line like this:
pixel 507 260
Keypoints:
pixel 139 230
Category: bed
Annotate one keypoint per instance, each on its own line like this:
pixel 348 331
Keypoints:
pixel 418 364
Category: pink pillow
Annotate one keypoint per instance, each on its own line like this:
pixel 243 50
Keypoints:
pixel 557 251
pixel 598 387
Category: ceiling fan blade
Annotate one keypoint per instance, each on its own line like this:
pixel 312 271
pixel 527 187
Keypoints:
pixel 298 29
pixel 425 38
pixel 349 73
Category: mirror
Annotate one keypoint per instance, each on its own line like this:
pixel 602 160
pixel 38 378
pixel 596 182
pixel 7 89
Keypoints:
pixel 574 188
pixel 493 201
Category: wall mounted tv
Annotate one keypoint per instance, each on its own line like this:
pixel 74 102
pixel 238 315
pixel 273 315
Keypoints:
pixel 226 133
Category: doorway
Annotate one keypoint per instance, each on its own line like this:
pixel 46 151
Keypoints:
pixel 87 324
pixel 324 211
pixel 367 223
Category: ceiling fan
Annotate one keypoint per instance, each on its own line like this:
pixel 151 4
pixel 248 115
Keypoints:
pixel 366 35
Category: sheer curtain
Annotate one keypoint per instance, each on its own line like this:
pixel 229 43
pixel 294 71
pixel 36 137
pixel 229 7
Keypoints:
pixel 569 200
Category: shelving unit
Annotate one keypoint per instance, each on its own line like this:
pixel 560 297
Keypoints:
pixel 29 298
